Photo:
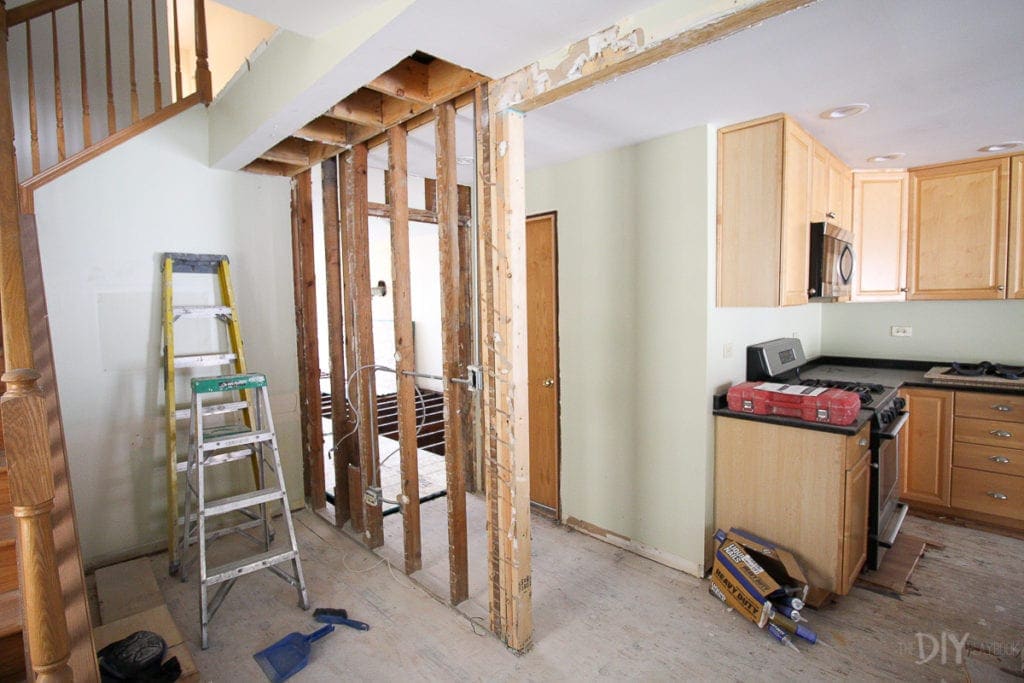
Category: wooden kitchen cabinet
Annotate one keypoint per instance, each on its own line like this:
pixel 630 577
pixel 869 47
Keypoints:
pixel 764 184
pixel 804 489
pixel 926 446
pixel 880 220
pixel 831 189
pixel 1015 260
pixel 988 454
pixel 957 245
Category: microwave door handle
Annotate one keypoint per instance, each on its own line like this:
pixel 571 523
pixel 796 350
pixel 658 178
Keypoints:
pixel 845 278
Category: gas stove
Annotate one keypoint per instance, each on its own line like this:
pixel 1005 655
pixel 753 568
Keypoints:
pixel 878 398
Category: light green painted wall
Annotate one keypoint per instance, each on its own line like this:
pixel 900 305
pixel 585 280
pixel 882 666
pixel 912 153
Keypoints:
pixel 632 259
pixel 102 229
pixel 943 330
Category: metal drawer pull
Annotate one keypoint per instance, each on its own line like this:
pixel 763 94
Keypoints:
pixel 997 495
pixel 1002 408
pixel 1001 459
pixel 862 442
pixel 1001 433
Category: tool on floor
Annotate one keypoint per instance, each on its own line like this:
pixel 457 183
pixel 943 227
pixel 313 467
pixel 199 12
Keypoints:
pixel 327 615
pixel 192 265
pixel 215 446
pixel 290 655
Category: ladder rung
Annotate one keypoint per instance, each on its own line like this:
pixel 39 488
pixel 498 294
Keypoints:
pixel 235 569
pixel 219 459
pixel 204 360
pixel 241 440
pixel 242 500
pixel 201 311
pixel 214 409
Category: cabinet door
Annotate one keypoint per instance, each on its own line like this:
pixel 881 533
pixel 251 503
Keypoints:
pixel 880 232
pixel 926 446
pixel 958 230
pixel 837 175
pixel 855 520
pixel 819 184
pixel 1015 276
pixel 796 233
pixel 847 215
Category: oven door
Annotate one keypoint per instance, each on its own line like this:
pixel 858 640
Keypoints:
pixel 888 512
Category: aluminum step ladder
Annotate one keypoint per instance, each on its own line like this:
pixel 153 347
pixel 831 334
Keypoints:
pixel 231 359
pixel 209 447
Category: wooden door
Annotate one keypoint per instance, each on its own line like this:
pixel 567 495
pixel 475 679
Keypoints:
pixel 926 446
pixel 958 228
pixel 542 331
pixel 1015 276
pixel 880 232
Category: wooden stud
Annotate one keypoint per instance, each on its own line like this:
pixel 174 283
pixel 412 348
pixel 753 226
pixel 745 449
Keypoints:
pixel 465 334
pixel 446 80
pixel 405 352
pixel 58 99
pixel 451 301
pixel 158 95
pixel 33 117
pixel 292 151
pixel 351 205
pixel 430 194
pixel 356 237
pixel 177 54
pixel 308 356
pixel 111 111
pixel 133 87
pixel 83 77
pixel 204 79
pixel 407 80
pixel 340 424
pixel 362 107
pixel 266 167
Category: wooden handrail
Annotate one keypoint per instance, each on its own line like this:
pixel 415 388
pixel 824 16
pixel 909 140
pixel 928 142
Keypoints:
pixel 19 15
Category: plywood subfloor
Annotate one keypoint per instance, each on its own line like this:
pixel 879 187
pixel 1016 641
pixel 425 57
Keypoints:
pixel 603 613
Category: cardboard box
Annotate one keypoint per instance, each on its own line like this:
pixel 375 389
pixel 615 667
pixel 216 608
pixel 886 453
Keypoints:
pixel 159 621
pixel 747 570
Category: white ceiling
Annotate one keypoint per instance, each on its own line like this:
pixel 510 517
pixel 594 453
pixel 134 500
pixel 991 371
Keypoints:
pixel 943 78
pixel 306 17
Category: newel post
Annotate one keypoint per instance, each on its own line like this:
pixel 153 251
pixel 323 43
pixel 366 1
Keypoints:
pixel 31 481
pixel 204 79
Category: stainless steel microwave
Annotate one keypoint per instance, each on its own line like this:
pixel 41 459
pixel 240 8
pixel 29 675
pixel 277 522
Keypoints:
pixel 832 262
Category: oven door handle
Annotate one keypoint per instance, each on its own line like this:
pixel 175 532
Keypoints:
pixel 901 514
pixel 895 428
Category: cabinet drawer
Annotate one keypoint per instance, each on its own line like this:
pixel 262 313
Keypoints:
pixel 993 494
pixel 997 433
pixel 1003 407
pixel 989 458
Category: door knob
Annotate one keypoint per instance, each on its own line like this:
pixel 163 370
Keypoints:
pixel 549 382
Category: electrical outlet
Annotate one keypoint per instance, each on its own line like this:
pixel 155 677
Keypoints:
pixel 901 331
pixel 727 350
pixel 372 496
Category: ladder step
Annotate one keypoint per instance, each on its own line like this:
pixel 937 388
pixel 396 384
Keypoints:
pixel 232 441
pixel 214 385
pixel 214 409
pixel 195 263
pixel 219 459
pixel 181 312
pixel 242 500
pixel 235 569
pixel 204 360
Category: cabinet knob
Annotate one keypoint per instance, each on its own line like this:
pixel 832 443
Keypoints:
pixel 1001 433
pixel 903 289
pixel 549 382
pixel 831 214
pixel 1000 288
pixel 1002 408
pixel 862 442
pixel 997 495
pixel 1001 459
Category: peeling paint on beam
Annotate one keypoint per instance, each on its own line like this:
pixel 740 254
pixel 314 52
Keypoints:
pixel 637 41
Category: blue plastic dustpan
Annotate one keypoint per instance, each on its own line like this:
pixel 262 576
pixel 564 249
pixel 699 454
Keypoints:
pixel 288 656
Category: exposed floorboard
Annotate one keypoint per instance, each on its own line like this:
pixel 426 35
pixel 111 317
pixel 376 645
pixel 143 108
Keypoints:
pixel 600 613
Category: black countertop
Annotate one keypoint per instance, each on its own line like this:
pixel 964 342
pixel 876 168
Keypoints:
pixel 848 430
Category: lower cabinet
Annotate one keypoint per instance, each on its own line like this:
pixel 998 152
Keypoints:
pixel 926 446
pixel 804 489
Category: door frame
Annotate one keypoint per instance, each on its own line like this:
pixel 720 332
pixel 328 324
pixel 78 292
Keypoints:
pixel 544 510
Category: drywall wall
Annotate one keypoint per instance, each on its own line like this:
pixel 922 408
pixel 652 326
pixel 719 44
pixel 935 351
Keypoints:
pixel 102 230
pixel 632 276
pixel 942 330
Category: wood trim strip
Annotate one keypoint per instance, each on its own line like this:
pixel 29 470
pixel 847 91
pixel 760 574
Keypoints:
pixel 308 354
pixel 123 135
pixel 340 424
pixel 405 353
pixel 23 13
pixel 447 193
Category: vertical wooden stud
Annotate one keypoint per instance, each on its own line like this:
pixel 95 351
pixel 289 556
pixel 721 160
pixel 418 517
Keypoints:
pixel 133 87
pixel 58 99
pixel 158 95
pixel 405 359
pixel 111 111
pixel 356 235
pixel 448 245
pixel 86 122
pixel 467 401
pixel 340 424
pixel 306 327
pixel 204 80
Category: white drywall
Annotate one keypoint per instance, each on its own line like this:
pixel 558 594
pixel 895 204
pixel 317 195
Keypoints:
pixel 942 330
pixel 102 230
pixel 633 239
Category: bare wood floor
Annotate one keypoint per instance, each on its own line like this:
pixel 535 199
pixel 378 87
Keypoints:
pixel 602 613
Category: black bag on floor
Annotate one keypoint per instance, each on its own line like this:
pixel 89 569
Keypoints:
pixel 137 659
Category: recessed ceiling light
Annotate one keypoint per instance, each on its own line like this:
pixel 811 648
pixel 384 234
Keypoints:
pixel 892 156
pixel 464 161
pixel 845 111
pixel 1001 146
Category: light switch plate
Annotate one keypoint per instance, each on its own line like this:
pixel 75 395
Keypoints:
pixel 901 331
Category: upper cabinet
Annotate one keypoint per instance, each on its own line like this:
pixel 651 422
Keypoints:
pixel 831 189
pixel 959 216
pixel 1015 261
pixel 880 221
pixel 764 180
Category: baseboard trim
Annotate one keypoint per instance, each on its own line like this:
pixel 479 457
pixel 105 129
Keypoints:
pixel 695 569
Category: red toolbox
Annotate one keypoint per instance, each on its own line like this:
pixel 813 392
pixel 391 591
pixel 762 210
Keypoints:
pixel 814 404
